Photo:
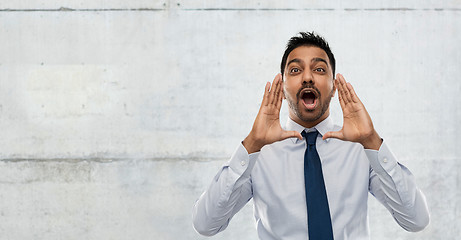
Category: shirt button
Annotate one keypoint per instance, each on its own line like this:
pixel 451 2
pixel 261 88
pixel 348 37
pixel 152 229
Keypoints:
pixel 385 160
pixel 242 163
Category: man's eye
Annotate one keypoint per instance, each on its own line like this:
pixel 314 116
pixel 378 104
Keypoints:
pixel 294 70
pixel 320 70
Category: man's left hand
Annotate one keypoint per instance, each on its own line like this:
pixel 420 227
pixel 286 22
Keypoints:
pixel 357 124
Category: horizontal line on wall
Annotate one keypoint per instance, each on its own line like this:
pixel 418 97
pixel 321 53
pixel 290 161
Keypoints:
pixel 65 9
pixel 259 9
pixel 321 9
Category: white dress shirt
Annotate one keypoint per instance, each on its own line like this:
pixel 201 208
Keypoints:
pixel 274 178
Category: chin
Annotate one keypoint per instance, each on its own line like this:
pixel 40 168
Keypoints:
pixel 310 116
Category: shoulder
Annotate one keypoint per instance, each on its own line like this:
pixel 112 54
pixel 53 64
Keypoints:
pixel 279 146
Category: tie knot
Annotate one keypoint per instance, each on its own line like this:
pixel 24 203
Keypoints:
pixel 310 137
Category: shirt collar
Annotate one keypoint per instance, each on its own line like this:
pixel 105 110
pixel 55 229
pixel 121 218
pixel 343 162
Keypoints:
pixel 323 127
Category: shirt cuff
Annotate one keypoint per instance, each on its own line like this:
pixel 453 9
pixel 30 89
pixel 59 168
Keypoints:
pixel 382 160
pixel 241 162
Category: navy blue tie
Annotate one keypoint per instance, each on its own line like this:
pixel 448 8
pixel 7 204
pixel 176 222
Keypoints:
pixel 318 212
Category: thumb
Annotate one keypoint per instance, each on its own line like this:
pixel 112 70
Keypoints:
pixel 338 135
pixel 291 134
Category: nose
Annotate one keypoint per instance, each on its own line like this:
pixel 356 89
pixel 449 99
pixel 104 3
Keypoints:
pixel 308 78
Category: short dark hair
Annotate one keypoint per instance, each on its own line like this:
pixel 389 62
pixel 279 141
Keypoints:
pixel 307 39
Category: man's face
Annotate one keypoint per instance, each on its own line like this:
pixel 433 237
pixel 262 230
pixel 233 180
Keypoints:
pixel 308 85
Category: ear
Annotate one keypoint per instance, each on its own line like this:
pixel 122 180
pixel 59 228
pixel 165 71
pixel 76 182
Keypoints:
pixel 283 86
pixel 283 90
pixel 334 87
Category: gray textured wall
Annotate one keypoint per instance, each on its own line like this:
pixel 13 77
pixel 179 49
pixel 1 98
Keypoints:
pixel 114 116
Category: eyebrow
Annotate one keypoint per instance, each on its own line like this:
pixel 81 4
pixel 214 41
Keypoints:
pixel 297 60
pixel 319 60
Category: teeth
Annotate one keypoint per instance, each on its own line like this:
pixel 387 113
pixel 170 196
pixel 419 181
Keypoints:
pixel 310 92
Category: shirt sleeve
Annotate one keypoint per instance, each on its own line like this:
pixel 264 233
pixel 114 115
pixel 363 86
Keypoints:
pixel 228 192
pixel 395 187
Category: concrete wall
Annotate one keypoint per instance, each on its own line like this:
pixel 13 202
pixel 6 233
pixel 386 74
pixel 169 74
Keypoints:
pixel 115 115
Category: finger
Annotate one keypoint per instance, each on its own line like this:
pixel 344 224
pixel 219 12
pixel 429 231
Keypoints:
pixel 272 91
pixel 346 93
pixel 340 98
pixel 354 96
pixel 291 134
pixel 266 94
pixel 276 90
pixel 341 92
pixel 281 95
pixel 338 135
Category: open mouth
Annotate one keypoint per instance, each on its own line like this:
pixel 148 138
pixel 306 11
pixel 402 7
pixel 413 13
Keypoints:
pixel 309 98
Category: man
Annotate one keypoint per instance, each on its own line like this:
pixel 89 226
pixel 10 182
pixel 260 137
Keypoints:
pixel 311 180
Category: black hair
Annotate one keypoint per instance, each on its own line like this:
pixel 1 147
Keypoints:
pixel 307 39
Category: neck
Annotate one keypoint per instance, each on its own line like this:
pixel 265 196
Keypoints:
pixel 308 124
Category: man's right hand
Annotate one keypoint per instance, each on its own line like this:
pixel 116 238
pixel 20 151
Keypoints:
pixel 266 128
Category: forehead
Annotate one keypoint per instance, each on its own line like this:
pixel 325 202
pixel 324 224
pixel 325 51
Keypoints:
pixel 307 53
